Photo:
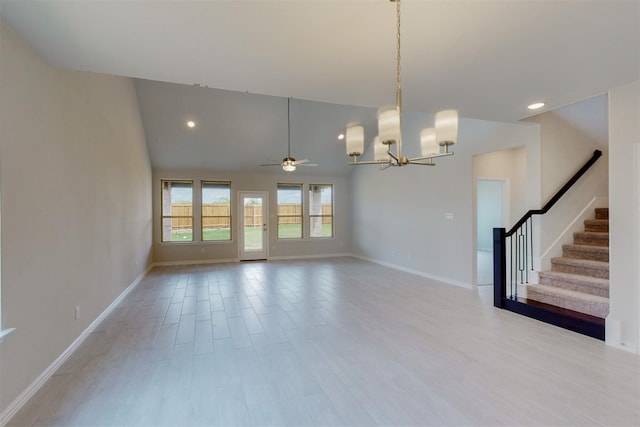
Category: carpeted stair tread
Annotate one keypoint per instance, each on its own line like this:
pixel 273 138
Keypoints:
pixel 584 267
pixel 576 282
pixel 577 301
pixel 594 253
pixel 591 238
pixel 597 225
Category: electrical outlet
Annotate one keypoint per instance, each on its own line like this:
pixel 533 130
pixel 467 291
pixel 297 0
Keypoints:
pixel 77 312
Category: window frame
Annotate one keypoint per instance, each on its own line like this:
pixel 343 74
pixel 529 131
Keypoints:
pixel 321 215
pixel 202 216
pixel 163 216
pixel 300 186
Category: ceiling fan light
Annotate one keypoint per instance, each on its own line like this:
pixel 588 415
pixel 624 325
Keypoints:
pixel 389 124
pixel 447 127
pixel 288 167
pixel 355 140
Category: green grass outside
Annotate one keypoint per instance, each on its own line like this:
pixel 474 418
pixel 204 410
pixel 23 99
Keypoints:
pixel 252 236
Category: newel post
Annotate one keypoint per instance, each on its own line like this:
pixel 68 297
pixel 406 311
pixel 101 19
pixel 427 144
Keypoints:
pixel 499 267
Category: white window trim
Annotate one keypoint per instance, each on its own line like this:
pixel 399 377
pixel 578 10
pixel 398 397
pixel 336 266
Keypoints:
pixel 333 224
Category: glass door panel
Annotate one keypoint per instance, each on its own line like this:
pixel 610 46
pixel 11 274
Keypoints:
pixel 253 224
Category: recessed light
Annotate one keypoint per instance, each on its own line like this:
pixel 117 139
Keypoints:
pixel 341 136
pixel 191 124
pixel 536 106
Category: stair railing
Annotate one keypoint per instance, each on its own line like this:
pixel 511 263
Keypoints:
pixel 519 240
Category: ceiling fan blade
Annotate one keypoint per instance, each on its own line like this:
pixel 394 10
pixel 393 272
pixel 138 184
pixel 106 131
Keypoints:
pixel 299 162
pixel 308 164
pixel 271 164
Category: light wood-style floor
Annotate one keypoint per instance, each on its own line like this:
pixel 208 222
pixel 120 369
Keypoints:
pixel 329 342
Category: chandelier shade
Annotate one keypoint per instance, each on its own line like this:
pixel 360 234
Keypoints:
pixel 428 144
pixel 355 140
pixel 389 124
pixel 447 127
pixel 380 151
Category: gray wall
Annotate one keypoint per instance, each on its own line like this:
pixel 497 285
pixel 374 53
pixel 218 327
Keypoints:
pixel 398 215
pixel 228 251
pixel 76 206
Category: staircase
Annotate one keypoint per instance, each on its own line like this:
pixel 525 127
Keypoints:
pixel 579 280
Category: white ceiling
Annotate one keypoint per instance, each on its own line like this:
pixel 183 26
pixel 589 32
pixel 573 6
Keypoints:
pixel 488 59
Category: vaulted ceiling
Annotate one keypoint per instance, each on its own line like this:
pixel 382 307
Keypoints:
pixel 218 60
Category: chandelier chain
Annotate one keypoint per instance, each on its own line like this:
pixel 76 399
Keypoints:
pixel 398 43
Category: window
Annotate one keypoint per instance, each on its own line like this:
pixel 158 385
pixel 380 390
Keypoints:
pixel 289 211
pixel 177 211
pixel 321 210
pixel 216 211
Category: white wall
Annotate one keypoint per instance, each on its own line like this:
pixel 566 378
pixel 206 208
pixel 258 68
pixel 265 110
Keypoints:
pixel 76 206
pixel 511 166
pixel 227 251
pixel 623 322
pixel 398 213
pixel 569 136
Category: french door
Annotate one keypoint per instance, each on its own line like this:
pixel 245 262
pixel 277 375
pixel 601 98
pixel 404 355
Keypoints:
pixel 253 209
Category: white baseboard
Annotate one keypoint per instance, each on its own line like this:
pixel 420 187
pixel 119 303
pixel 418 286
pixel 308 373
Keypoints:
pixel 613 334
pixel 23 397
pixel 285 258
pixel 416 272
pixel 196 262
pixel 234 260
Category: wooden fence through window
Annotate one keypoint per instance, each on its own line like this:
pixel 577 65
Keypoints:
pixel 218 215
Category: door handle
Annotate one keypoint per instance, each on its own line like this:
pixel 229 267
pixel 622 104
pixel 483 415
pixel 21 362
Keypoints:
pixel 264 227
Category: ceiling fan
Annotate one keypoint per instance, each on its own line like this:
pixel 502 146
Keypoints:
pixel 289 164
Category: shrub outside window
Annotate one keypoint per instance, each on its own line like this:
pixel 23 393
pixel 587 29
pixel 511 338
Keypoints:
pixel 289 211
pixel 177 211
pixel 321 210
pixel 216 211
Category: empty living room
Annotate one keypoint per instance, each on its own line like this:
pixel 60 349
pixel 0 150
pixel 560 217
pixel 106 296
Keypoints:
pixel 313 213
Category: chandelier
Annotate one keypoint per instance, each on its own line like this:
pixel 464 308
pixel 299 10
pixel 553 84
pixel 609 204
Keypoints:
pixel 434 142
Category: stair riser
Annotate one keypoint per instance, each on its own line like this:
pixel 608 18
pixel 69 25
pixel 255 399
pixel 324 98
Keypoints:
pixel 596 228
pixel 602 213
pixel 591 240
pixel 594 309
pixel 589 255
pixel 572 286
pixel 600 273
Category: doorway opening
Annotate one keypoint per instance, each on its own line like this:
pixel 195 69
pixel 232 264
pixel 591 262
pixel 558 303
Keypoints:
pixel 491 213
pixel 253 236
